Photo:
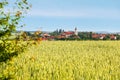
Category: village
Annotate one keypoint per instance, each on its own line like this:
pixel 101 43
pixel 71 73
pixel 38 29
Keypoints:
pixel 65 35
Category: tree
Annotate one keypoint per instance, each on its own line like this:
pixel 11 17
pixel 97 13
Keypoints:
pixel 10 15
pixel 90 35
pixel 37 34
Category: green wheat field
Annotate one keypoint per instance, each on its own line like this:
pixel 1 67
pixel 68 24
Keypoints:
pixel 66 60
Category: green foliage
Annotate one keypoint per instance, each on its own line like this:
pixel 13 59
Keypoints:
pixel 9 18
pixel 56 32
pixel 9 21
pixel 8 49
pixel 85 35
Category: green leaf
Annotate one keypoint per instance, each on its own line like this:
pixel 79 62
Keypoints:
pixel 1 5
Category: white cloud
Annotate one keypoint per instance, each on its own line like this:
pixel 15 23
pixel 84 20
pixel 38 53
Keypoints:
pixel 85 13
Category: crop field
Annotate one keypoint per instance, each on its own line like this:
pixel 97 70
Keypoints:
pixel 66 60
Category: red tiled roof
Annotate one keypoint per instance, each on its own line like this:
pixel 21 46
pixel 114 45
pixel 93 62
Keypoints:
pixel 98 35
pixel 103 35
pixel 67 33
pixel 112 37
pixel 95 35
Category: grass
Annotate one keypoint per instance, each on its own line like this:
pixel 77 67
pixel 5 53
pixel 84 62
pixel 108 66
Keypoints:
pixel 66 60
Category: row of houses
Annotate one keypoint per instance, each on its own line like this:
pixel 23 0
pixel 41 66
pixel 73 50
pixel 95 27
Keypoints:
pixel 67 35
pixel 74 35
pixel 63 35
pixel 103 36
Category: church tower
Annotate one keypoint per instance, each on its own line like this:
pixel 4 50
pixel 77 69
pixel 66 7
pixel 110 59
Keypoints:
pixel 76 33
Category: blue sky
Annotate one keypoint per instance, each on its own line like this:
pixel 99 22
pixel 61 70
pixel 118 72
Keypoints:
pixel 86 15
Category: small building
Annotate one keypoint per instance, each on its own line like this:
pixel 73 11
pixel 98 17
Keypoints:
pixel 102 36
pixel 45 36
pixel 95 36
pixel 113 37
pixel 98 36
pixel 67 34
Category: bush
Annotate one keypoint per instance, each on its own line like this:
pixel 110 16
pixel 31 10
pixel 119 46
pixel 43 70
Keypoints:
pixel 8 49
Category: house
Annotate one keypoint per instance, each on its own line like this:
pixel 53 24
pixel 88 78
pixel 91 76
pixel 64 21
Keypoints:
pixel 68 34
pixel 61 36
pixel 98 36
pixel 51 38
pixel 45 36
pixel 113 37
pixel 102 36
pixel 95 36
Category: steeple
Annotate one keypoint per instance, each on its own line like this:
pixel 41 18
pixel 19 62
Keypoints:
pixel 75 28
pixel 76 33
